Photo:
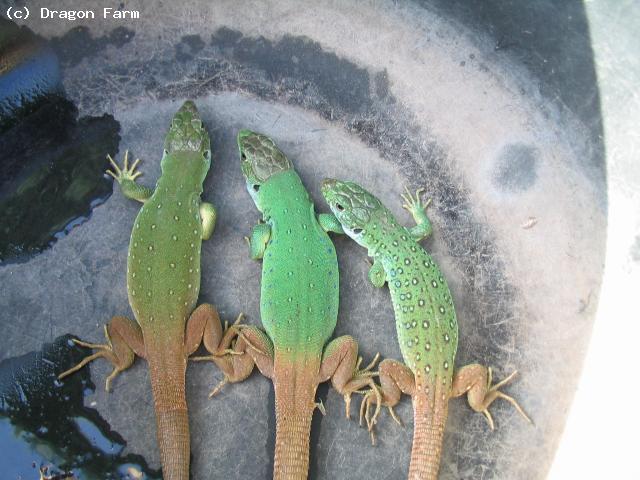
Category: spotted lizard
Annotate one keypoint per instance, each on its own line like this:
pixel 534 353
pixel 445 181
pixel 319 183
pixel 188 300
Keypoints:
pixel 425 321
pixel 163 283
pixel 298 302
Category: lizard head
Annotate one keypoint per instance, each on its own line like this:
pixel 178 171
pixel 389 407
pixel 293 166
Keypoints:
pixel 188 137
pixel 260 159
pixel 354 207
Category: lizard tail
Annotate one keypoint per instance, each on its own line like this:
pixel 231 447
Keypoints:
pixel 295 402
pixel 429 418
pixel 172 424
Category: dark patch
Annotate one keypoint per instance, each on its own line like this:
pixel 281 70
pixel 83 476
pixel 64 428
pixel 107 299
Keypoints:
pixel 189 46
pixel 338 80
pixel 635 250
pixel 44 423
pixel 516 168
pixel 78 43
pixel 52 175
pixel 381 83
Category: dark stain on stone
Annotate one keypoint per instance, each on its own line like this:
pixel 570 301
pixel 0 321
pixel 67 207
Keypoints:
pixel 44 423
pixel 516 168
pixel 381 84
pixel 188 47
pixel 78 43
pixel 52 175
pixel 338 80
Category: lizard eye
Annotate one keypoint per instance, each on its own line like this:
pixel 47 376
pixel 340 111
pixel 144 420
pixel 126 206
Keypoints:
pixel 256 188
pixel 357 231
pixel 339 207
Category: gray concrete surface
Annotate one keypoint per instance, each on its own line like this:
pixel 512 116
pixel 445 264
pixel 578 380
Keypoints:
pixel 383 94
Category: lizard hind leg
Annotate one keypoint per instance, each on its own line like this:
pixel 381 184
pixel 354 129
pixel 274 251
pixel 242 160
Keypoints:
pixel 341 364
pixel 395 379
pixel 226 348
pixel 124 341
pixel 475 380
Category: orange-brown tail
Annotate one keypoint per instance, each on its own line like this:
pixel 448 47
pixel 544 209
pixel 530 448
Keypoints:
pixel 295 391
pixel 429 418
pixel 168 386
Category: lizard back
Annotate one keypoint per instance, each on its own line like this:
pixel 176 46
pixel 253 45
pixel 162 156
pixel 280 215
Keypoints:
pixel 163 264
pixel 299 299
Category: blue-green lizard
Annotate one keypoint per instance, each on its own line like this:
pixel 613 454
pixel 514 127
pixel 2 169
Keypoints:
pixel 298 302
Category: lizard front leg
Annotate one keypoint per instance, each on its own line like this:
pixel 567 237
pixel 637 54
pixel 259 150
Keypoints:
pixel 204 325
pixel 341 364
pixel 124 342
pixel 329 223
pixel 414 206
pixel 126 178
pixel 208 216
pixel 260 235
pixel 475 380
pixel 377 275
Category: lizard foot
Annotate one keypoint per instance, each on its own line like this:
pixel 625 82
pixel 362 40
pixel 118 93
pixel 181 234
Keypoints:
pixel 412 203
pixel 361 377
pixel 475 380
pixel 494 393
pixel 373 395
pixel 119 354
pixel 126 173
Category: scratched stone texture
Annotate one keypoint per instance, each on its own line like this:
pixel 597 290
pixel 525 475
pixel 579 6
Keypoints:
pixel 388 95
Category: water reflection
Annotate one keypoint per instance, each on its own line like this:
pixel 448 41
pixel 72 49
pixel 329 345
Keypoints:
pixel 45 428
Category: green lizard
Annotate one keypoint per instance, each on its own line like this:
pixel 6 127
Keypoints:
pixel 298 302
pixel 425 321
pixel 163 282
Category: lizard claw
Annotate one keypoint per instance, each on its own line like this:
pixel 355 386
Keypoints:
pixel 371 396
pixel 218 387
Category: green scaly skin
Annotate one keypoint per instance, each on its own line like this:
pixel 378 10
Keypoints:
pixel 425 321
pixel 163 282
pixel 298 302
